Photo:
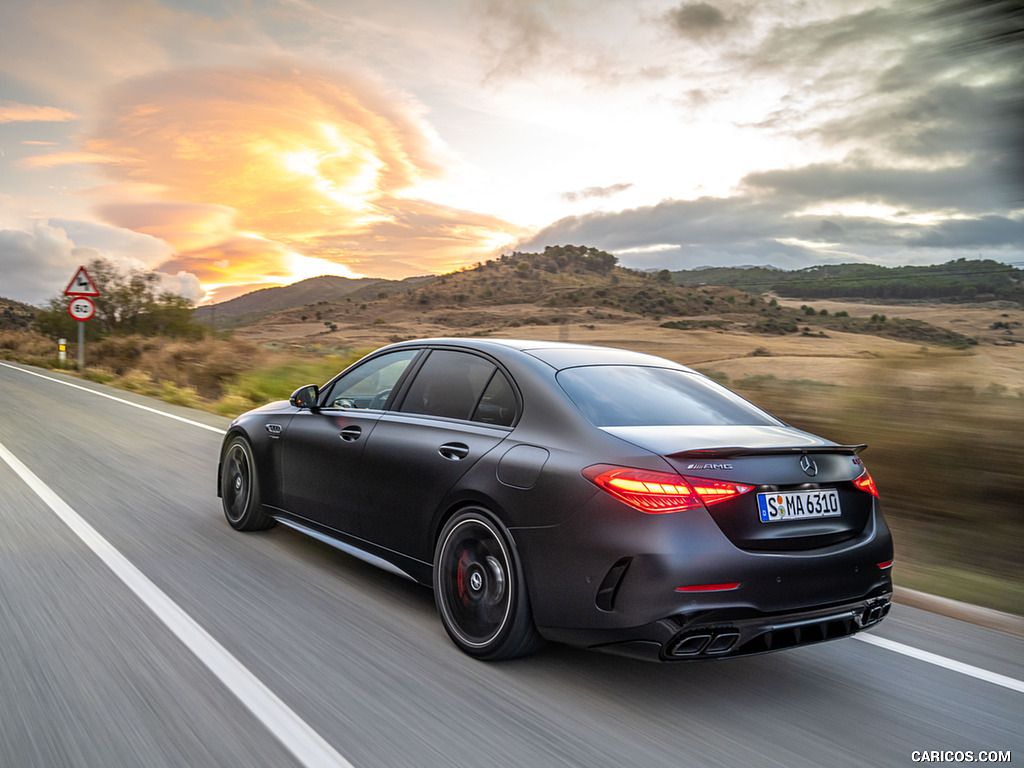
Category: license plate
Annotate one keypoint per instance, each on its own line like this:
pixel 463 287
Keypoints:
pixel 798 505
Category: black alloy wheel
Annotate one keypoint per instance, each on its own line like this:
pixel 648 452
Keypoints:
pixel 240 489
pixel 480 591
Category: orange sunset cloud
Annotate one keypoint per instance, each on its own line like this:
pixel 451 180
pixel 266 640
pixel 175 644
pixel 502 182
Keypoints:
pixel 13 112
pixel 266 176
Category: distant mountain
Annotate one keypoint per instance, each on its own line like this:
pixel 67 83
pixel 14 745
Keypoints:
pixel 564 285
pixel 248 309
pixel 15 316
pixel 960 280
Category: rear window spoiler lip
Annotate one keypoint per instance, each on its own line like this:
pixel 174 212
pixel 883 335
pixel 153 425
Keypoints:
pixel 738 450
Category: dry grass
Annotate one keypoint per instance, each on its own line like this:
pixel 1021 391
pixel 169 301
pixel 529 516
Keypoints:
pixel 28 347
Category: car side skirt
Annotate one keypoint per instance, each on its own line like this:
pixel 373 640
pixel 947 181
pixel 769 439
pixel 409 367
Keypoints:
pixel 392 562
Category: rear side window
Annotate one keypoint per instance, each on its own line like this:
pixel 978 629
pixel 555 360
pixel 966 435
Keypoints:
pixel 449 384
pixel 498 403
pixel 639 396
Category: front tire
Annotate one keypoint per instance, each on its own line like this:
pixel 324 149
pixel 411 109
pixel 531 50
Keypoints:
pixel 480 590
pixel 240 489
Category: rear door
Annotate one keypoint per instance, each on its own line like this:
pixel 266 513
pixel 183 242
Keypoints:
pixel 458 407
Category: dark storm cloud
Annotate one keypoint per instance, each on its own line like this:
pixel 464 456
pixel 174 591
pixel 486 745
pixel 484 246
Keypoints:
pixel 987 36
pixel 525 39
pixel 705 221
pixel 515 35
pixel 955 93
pixel 948 118
pixel 909 73
pixel 697 20
pixel 595 192
pixel 983 232
pixel 829 69
pixel 949 101
pixel 800 47
pixel 966 188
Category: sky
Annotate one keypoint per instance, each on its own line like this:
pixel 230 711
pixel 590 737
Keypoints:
pixel 230 145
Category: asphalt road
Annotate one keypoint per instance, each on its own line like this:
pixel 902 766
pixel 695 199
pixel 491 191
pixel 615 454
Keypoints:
pixel 138 629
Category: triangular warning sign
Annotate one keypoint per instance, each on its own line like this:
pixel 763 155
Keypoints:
pixel 81 285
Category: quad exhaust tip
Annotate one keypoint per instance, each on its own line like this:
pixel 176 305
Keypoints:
pixel 874 614
pixel 705 643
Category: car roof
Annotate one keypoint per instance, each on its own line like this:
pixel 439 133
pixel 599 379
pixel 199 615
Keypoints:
pixel 557 354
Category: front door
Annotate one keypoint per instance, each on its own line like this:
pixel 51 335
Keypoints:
pixel 322 448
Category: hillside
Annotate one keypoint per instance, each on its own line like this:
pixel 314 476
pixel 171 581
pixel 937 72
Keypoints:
pixel 564 286
pixel 15 316
pixel 249 308
pixel 960 280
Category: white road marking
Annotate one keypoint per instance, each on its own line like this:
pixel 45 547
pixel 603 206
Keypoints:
pixel 117 399
pixel 942 661
pixel 308 747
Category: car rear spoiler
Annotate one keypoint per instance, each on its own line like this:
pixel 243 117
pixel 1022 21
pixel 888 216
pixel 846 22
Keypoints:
pixel 738 450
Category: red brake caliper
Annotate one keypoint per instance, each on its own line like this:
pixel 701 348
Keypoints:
pixel 461 576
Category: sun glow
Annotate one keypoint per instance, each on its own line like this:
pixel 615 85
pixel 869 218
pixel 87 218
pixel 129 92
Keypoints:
pixel 343 172
pixel 304 267
pixel 305 162
pixel 301 267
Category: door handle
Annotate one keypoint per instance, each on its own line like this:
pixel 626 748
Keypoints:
pixel 348 434
pixel 454 451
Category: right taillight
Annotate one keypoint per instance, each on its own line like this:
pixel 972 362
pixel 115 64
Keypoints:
pixel 660 492
pixel 866 483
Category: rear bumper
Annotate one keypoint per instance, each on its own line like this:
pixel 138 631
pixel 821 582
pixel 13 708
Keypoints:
pixel 673 587
pixel 731 632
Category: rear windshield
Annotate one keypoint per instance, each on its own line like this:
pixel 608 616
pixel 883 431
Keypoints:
pixel 638 396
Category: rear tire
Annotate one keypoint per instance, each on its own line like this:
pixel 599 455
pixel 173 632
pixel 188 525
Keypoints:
pixel 240 489
pixel 480 590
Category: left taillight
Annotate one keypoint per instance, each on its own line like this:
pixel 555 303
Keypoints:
pixel 867 483
pixel 661 492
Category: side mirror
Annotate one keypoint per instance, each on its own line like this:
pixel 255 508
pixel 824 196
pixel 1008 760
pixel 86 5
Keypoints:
pixel 305 397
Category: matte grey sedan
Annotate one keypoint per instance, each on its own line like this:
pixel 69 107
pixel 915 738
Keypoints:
pixel 586 495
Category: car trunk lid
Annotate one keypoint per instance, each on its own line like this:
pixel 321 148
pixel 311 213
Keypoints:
pixel 803 494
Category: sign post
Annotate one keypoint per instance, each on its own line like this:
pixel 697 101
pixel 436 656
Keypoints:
pixel 81 307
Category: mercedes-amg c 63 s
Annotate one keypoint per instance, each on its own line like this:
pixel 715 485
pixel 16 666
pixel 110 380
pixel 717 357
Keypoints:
pixel 592 496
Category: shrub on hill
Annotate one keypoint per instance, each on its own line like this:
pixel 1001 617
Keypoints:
pixel 960 280
pixel 15 316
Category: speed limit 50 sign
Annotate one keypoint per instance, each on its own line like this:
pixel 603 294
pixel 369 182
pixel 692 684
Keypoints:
pixel 81 308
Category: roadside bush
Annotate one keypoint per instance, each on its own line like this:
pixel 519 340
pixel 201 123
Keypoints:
pixel 171 393
pixel 28 347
